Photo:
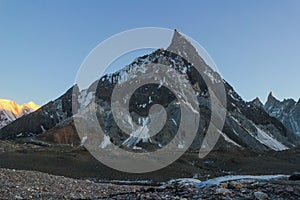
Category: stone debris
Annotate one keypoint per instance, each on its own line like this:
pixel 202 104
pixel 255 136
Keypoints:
pixel 36 185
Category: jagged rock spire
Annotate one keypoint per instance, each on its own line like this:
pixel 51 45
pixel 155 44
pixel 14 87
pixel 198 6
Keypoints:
pixel 257 102
pixel 257 99
pixel 271 97
pixel 271 94
pixel 183 47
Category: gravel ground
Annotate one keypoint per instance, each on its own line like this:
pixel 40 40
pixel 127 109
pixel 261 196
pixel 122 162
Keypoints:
pixel 18 184
pixel 36 185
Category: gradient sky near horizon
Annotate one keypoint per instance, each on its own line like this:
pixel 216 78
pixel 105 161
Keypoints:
pixel 255 44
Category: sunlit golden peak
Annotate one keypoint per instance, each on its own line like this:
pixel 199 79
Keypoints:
pixel 16 109
pixel 31 105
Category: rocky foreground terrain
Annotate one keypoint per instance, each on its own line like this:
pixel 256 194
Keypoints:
pixel 64 160
pixel 36 185
pixel 20 179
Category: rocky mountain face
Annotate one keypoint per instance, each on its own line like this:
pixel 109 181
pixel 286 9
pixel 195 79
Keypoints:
pixel 10 111
pixel 45 118
pixel 287 111
pixel 246 126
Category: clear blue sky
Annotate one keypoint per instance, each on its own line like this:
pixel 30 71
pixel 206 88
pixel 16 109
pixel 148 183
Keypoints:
pixel 255 44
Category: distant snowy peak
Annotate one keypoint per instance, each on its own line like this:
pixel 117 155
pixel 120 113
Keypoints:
pixel 10 110
pixel 276 108
pixel 31 106
pixel 287 111
pixel 17 109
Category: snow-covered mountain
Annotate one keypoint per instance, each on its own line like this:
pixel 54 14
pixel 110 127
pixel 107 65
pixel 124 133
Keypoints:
pixel 10 111
pixel 287 111
pixel 246 125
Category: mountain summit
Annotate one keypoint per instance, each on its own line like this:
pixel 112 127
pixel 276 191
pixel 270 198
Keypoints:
pixel 10 110
pixel 246 125
pixel 287 111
